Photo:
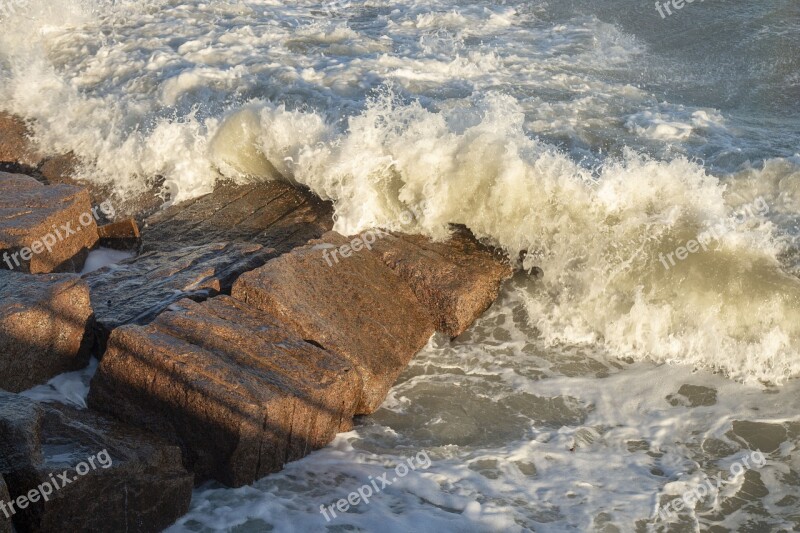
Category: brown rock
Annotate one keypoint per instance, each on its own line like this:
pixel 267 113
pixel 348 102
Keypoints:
pixel 60 169
pixel 137 290
pixel 356 308
pixel 5 521
pixel 241 393
pixel 63 169
pixel 456 280
pixel 44 229
pixel 122 478
pixel 45 327
pixel 273 214
pixel 122 235
pixel 17 152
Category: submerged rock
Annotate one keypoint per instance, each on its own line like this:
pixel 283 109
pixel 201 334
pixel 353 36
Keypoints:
pixel 240 392
pixel 45 327
pixel 71 470
pixel 137 290
pixel 273 214
pixel 456 280
pixel 44 229
pixel 357 308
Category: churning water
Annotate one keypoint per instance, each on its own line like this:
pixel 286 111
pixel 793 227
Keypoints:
pixel 649 166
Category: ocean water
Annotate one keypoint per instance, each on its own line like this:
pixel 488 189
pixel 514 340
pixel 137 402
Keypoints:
pixel 648 165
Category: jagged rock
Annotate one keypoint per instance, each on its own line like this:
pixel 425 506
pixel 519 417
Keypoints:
pixel 273 214
pixel 17 152
pixel 137 290
pixel 45 327
pixel 62 169
pixel 65 168
pixel 456 280
pixel 133 482
pixel 240 392
pixel 122 235
pixel 357 308
pixel 5 520
pixel 44 229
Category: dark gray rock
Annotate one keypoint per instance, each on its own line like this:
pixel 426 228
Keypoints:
pixel 137 290
pixel 120 478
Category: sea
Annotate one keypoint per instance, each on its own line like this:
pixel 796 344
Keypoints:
pixel 639 162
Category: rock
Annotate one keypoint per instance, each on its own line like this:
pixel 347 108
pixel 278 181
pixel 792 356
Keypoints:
pixel 137 290
pixel 122 235
pixel 5 520
pixel 45 327
pixel 357 308
pixel 456 280
pixel 60 169
pixel 17 152
pixel 693 396
pixel 64 169
pixel 273 214
pixel 44 229
pixel 121 478
pixel 241 393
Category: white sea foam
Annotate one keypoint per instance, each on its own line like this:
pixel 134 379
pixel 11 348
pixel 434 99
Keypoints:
pixel 533 124
pixel 137 92
pixel 525 437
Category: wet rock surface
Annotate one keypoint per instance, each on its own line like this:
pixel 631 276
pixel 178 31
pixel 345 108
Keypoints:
pixel 17 152
pixel 693 396
pixel 136 290
pixel 357 308
pixel 273 214
pixel 121 235
pixel 117 478
pixel 44 228
pixel 456 280
pixel 241 393
pixel 45 327
pixel 235 386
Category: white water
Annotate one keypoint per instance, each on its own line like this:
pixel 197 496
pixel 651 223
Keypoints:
pixel 593 141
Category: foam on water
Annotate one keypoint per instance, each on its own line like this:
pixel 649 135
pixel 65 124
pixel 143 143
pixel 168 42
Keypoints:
pixel 525 437
pixel 602 240
pixel 197 92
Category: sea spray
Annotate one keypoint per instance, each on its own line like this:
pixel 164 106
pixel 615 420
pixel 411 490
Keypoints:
pixel 112 86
